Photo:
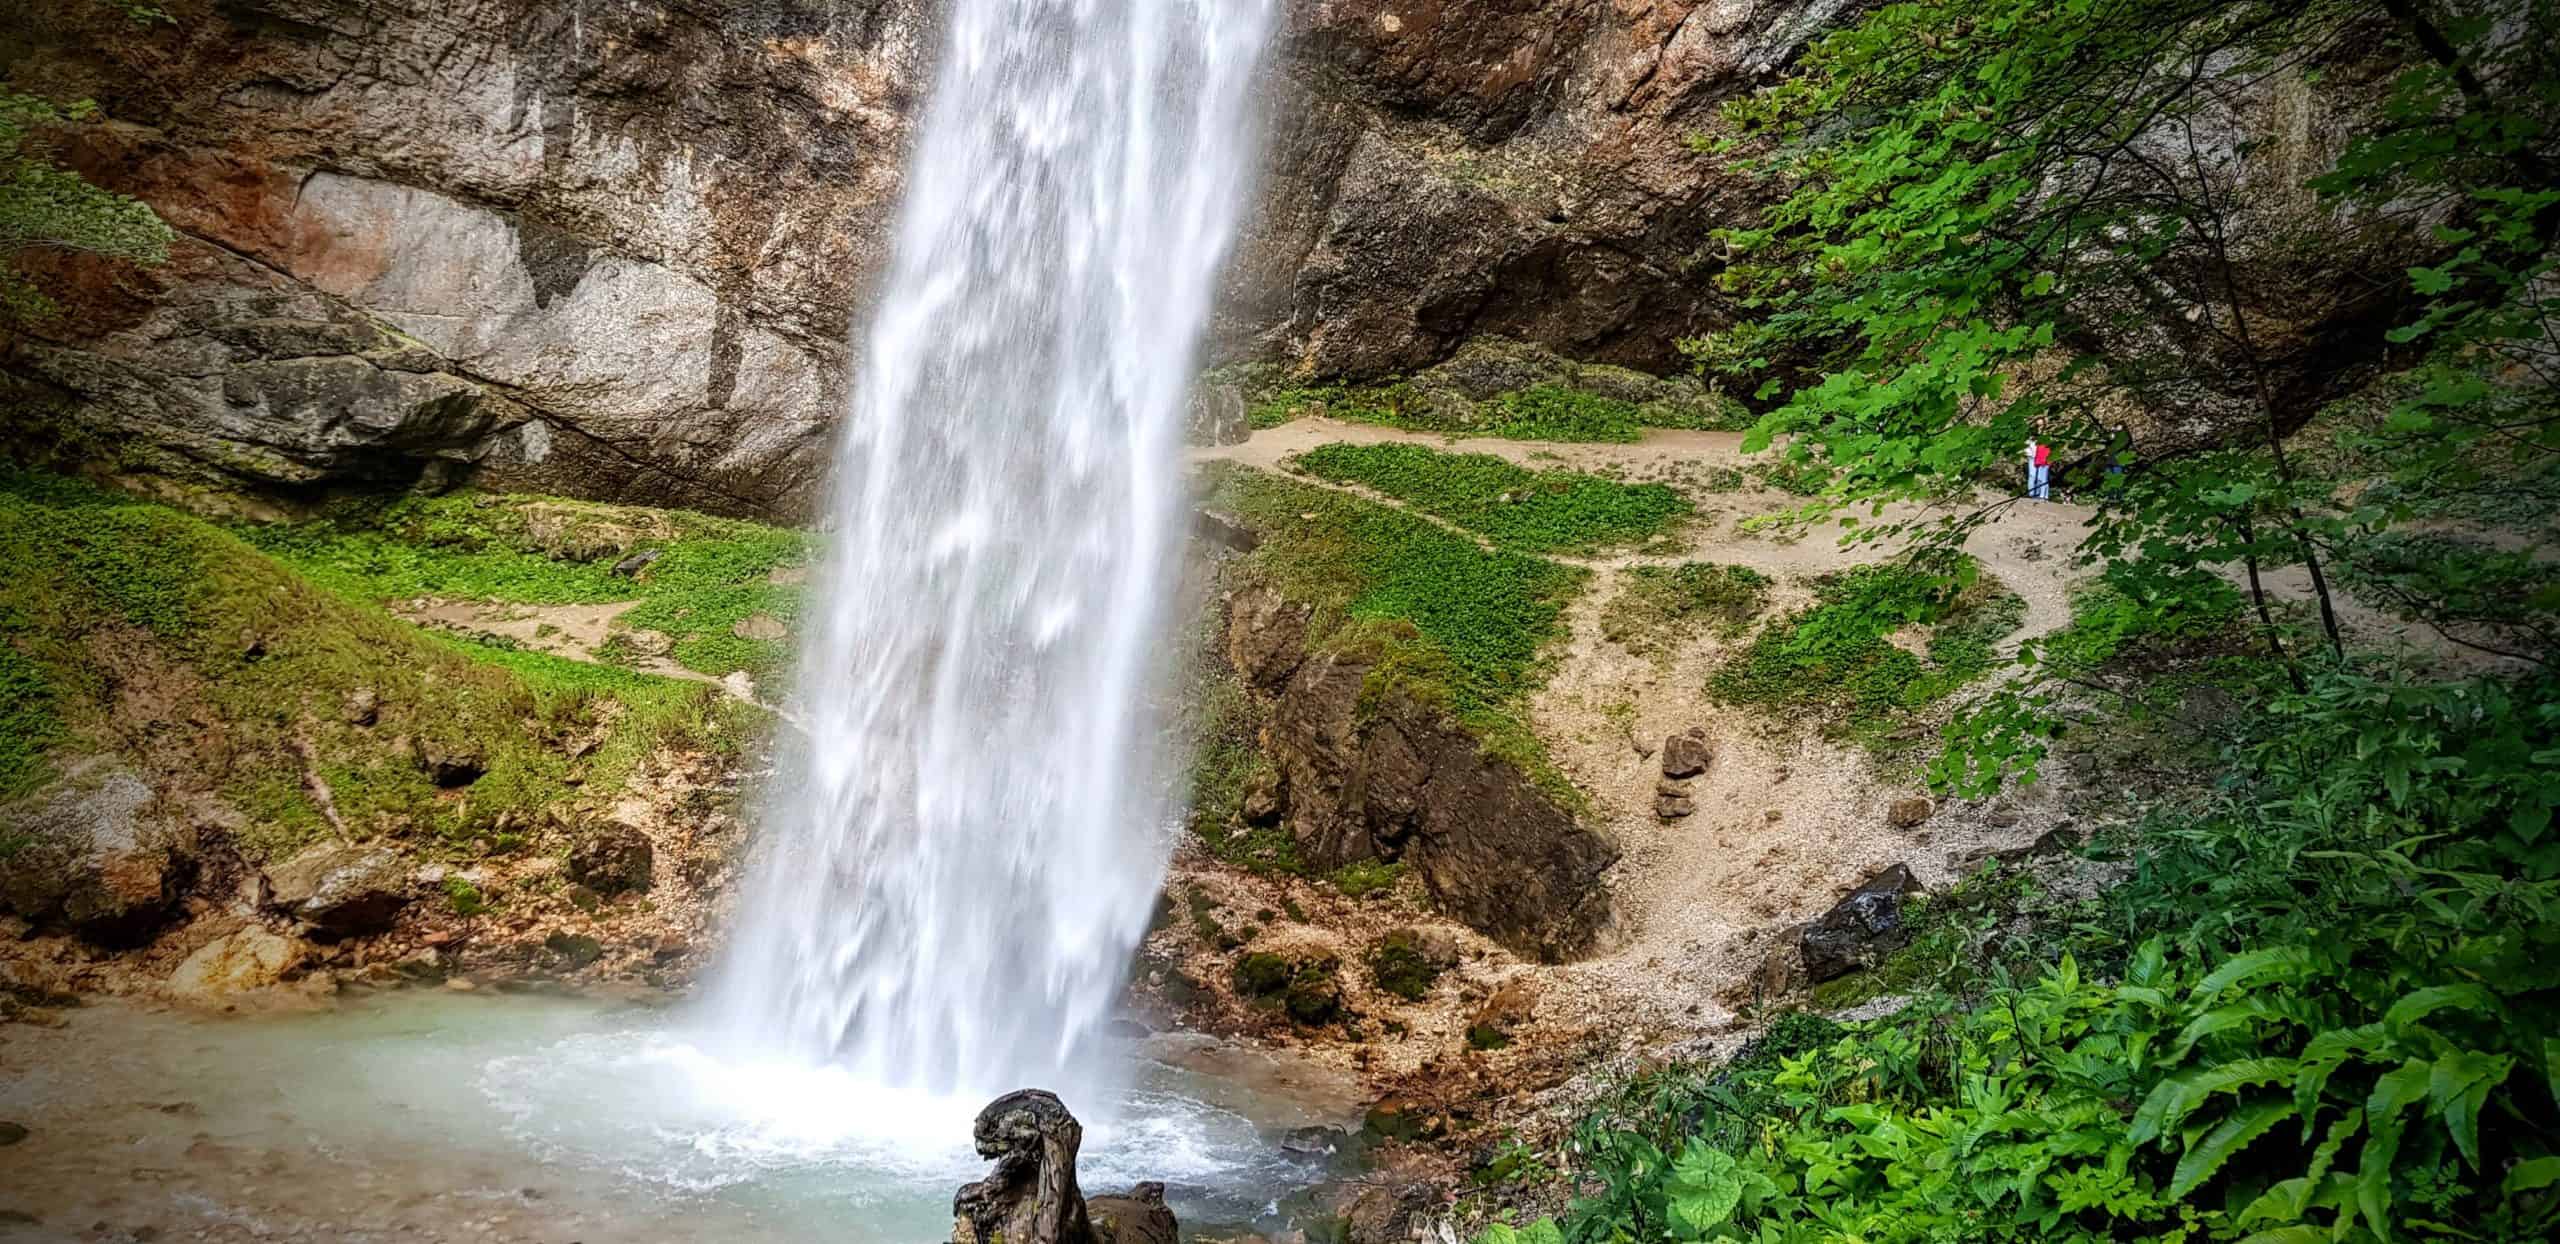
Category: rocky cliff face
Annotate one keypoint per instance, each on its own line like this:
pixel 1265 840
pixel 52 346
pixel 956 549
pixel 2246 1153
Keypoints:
pixel 615 249
pixel 1376 775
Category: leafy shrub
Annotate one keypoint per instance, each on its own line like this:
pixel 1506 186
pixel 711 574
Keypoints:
pixel 1517 509
pixel 2336 1024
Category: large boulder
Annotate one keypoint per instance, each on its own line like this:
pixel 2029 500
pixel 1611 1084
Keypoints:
pixel 341 889
pixel 252 958
pixel 96 853
pixel 1860 930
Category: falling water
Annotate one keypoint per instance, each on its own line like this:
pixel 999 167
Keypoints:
pixel 960 862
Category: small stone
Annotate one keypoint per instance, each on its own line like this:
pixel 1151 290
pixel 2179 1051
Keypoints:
pixel 460 984
pixel 630 567
pixel 341 889
pixel 1686 754
pixel 1314 1140
pixel 1860 930
pixel 448 764
pixel 362 707
pixel 1672 807
pixel 12 1133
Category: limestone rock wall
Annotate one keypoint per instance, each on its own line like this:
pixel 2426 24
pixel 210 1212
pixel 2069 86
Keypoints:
pixel 614 247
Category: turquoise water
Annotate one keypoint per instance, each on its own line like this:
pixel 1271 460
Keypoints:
pixel 427 1115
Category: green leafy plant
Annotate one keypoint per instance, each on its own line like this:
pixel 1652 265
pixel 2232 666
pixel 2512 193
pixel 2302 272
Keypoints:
pixel 1516 508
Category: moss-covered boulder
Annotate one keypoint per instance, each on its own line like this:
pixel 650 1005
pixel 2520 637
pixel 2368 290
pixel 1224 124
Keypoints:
pixel 1307 989
pixel 1407 962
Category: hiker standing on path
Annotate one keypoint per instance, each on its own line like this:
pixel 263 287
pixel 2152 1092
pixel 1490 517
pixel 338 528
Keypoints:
pixel 2039 466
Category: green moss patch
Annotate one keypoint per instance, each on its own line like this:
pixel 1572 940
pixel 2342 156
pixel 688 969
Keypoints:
pixel 1305 989
pixel 1837 659
pixel 1516 508
pixel 702 577
pixel 1400 965
pixel 135 629
pixel 1654 604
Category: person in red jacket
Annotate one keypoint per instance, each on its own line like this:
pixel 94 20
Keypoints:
pixel 2039 466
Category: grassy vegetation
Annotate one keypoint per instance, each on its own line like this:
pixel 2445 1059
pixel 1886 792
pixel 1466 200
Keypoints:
pixel 1658 602
pixel 709 574
pixel 1441 619
pixel 1516 508
pixel 120 618
pixel 1837 659
pixel 1538 412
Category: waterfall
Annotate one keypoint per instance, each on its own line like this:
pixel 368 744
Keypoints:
pixel 961 854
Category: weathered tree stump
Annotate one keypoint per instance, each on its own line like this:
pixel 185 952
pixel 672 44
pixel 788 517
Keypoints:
pixel 1031 1197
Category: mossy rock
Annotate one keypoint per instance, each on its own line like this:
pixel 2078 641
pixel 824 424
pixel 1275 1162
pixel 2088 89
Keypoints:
pixel 1406 963
pixel 1307 990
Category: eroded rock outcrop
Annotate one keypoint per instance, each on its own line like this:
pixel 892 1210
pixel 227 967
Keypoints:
pixel 1380 775
pixel 615 250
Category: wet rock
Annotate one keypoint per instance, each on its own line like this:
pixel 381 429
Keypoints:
pixel 95 853
pixel 252 958
pixel 1315 1141
pixel 12 1133
pixel 1686 754
pixel 1128 1030
pixel 1860 930
pixel 447 763
pixel 630 567
pixel 613 859
pixel 1031 1197
pixel 341 889
pixel 1909 813
pixel 1225 530
pixel 574 950
pixel 1141 1217
pixel 362 707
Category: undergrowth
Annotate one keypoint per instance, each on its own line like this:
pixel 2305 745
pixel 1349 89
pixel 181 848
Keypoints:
pixel 708 574
pixel 1516 508
pixel 1837 658
pixel 1537 412
pixel 118 617
pixel 1656 602
pixel 1440 619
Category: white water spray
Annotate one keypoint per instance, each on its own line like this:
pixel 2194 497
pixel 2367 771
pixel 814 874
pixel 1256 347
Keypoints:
pixel 963 853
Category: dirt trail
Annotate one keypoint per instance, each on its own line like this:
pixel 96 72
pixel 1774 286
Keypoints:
pixel 1786 823
pixel 574 632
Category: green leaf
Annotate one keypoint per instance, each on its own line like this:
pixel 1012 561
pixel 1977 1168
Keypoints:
pixel 2228 1137
pixel 2531 1175
pixel 2458 1087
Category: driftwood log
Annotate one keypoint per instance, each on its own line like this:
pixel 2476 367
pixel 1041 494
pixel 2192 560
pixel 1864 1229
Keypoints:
pixel 1031 1197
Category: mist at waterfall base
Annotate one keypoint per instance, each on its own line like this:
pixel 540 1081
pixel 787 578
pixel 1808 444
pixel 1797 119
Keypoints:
pixel 964 847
